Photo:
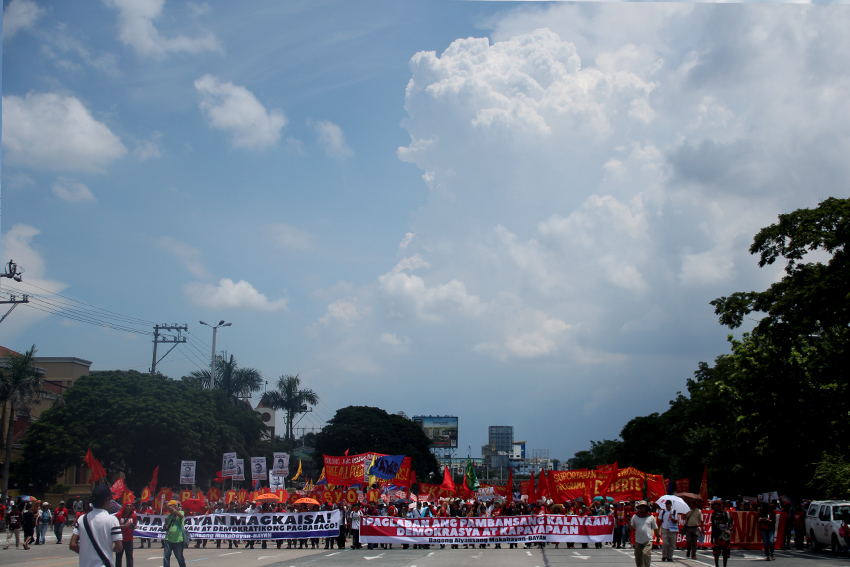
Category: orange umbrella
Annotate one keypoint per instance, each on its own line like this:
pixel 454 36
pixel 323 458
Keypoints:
pixel 268 497
pixel 307 501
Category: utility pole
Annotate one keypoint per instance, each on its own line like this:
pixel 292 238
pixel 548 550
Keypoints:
pixel 215 328
pixel 13 273
pixel 157 339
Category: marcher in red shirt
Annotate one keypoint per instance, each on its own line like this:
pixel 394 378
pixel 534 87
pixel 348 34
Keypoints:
pixel 127 520
pixel 60 516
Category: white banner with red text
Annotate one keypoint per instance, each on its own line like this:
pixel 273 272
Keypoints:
pixel 501 529
pixel 247 526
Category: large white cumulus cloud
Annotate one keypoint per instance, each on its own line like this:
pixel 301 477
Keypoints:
pixel 595 177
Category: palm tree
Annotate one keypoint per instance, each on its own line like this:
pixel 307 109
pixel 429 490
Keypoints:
pixel 291 399
pixel 237 382
pixel 21 384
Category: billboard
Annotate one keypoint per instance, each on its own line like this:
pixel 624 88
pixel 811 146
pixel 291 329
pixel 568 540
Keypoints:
pixel 441 430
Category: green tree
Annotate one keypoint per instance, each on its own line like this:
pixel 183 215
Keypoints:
pixel 790 372
pixel 290 398
pixel 774 413
pixel 134 422
pixel 359 429
pixel 234 380
pixel 832 477
pixel 602 452
pixel 21 383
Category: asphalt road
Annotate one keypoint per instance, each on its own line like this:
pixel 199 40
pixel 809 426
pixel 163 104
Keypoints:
pixel 52 555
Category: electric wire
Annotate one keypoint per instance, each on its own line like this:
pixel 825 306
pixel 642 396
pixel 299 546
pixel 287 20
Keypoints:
pixel 105 313
pixel 107 324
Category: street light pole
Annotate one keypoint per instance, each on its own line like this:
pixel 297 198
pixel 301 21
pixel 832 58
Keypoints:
pixel 212 359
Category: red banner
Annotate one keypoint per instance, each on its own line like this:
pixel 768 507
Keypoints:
pixel 683 485
pixel 745 535
pixel 630 483
pixel 336 496
pixel 433 492
pixel 502 529
pixel 570 485
pixel 349 470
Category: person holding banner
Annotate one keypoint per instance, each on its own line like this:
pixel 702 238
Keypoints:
pixel 343 527
pixel 354 525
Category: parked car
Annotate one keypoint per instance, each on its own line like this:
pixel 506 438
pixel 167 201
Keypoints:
pixel 823 519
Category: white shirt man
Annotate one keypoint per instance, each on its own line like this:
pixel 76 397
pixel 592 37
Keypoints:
pixel 669 530
pixel 105 531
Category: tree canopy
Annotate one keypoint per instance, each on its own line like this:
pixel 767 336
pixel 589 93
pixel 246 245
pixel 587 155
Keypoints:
pixel 774 413
pixel 21 383
pixel 234 380
pixel 359 429
pixel 291 398
pixel 134 422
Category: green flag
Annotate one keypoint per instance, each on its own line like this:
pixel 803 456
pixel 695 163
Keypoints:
pixel 471 479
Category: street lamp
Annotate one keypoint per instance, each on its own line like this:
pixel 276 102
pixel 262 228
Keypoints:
pixel 212 360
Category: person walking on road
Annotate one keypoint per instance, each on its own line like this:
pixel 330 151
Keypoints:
pixel 173 542
pixel 721 532
pixel 644 526
pixel 669 530
pixel 13 520
pixel 693 527
pixel 60 516
pixel 97 534
pixel 44 518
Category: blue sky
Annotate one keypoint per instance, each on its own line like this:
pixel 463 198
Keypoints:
pixel 516 213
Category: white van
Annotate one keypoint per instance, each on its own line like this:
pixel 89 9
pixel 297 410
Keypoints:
pixel 823 518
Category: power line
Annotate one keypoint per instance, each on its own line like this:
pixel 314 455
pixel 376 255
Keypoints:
pixel 106 312
pixel 81 319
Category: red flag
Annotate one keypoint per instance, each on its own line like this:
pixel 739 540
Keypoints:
pixel 542 486
pixel 118 489
pixel 346 451
pixel 97 471
pixel 412 482
pixel 464 492
pixel 604 485
pixel 703 487
pixel 448 482
pixel 509 492
pixel 154 478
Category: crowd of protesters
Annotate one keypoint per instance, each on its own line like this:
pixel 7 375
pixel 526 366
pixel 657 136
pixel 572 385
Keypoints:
pixel 638 525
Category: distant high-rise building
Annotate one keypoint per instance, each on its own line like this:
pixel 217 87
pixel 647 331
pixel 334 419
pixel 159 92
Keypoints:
pixel 502 439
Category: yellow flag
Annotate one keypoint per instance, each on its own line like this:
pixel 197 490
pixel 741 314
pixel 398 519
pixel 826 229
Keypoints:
pixel 299 471
pixel 372 478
